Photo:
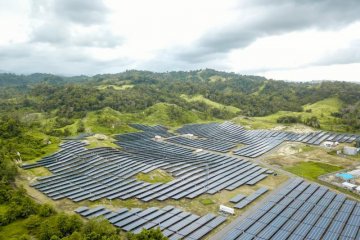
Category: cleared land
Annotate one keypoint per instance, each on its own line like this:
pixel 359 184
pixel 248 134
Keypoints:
pixel 155 176
pixel 115 87
pixel 322 110
pixel 200 98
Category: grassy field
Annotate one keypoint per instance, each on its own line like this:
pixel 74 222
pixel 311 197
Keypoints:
pixel 13 231
pixel 109 121
pixel 45 149
pixel 200 98
pixel 94 142
pixel 312 170
pixel 155 176
pixel 322 110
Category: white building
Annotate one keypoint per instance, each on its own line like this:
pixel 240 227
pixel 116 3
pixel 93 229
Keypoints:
pixel 350 150
pixel 329 144
pixel 355 173
pixel 226 209
pixel 349 185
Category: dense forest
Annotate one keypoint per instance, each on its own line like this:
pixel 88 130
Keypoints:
pixel 73 97
pixel 38 110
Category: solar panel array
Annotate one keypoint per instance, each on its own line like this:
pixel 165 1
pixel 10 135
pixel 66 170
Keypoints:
pixel 173 222
pixel 249 199
pixel 91 174
pixel 258 141
pixel 301 210
pixel 209 144
pixel 148 132
pixel 67 150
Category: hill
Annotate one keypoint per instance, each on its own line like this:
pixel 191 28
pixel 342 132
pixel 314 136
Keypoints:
pixel 207 93
pixel 323 110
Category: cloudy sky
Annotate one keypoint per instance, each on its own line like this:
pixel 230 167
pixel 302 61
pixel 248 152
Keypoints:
pixel 280 39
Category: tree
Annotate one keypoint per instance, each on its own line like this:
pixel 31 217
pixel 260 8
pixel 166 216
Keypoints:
pixel 312 122
pixel 153 234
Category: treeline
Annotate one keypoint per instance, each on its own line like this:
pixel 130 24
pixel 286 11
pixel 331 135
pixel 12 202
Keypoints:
pixel 43 222
pixel 255 96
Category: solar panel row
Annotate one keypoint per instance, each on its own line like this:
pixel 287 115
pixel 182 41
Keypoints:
pixel 173 222
pixel 258 141
pixel 92 174
pixel 249 199
pixel 301 210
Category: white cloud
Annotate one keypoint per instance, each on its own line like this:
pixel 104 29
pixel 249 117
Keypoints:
pixel 272 38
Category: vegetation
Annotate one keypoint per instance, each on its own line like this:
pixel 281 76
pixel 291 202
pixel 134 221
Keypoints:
pixel 317 115
pixel 37 110
pixel 155 176
pixel 59 103
pixel 312 170
pixel 289 119
pixel 152 234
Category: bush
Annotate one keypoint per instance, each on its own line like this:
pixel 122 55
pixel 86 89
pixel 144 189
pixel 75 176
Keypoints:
pixel 25 237
pixel 20 206
pixel 154 234
pixel 312 122
pixel 60 225
pixel 33 222
pixel 46 210
pixel 289 119
pixel 99 229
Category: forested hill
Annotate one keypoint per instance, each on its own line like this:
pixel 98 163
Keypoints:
pixel 10 79
pixel 134 91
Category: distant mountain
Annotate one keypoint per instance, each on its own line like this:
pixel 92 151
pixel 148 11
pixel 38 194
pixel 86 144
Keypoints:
pixel 10 79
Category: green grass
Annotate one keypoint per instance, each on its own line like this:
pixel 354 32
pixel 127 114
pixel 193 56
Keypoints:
pixel 170 115
pixel 95 143
pixel 307 148
pixel 109 121
pixel 13 231
pixel 155 176
pixel 200 98
pixel 3 209
pixel 40 171
pixel 321 109
pixel 44 149
pixel 207 201
pixel 312 170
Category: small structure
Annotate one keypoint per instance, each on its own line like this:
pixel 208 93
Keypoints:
pixel 199 150
pixel 358 189
pixel 349 186
pixel 345 176
pixel 189 135
pixel 355 173
pixel 330 144
pixel 227 210
pixel 100 137
pixel 350 150
pixel 158 138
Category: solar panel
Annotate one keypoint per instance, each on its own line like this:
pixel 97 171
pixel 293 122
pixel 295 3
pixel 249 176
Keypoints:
pixel 301 211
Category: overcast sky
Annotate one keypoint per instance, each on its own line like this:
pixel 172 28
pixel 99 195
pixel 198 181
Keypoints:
pixel 279 39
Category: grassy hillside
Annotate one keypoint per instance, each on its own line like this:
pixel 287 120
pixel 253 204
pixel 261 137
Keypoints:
pixel 200 98
pixel 109 121
pixel 321 109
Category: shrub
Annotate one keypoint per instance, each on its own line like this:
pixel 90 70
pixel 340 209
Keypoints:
pixel 289 119
pixel 46 210
pixel 154 234
pixel 33 222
